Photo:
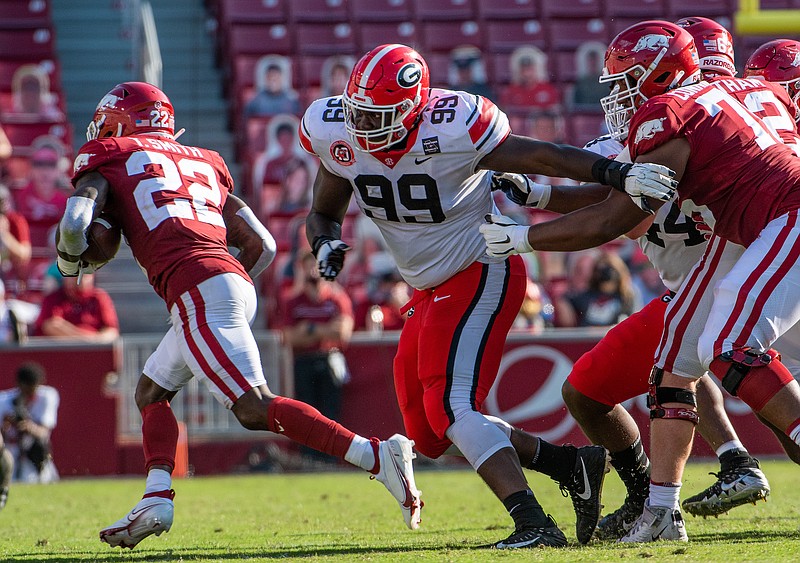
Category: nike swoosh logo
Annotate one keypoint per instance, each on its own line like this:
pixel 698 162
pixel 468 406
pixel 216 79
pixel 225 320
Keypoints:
pixel 278 424
pixel 134 513
pixel 587 488
pixel 421 160
pixel 437 298
pixel 657 535
pixel 508 239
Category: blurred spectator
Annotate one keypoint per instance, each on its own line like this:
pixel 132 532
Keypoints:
pixel 283 146
pixel 536 311
pixel 335 73
pixel 608 299
pixel 15 242
pixel 43 200
pixel 5 147
pixel 79 312
pixel 12 325
pixel 587 91
pixel 530 87
pixel 29 414
pixel 646 279
pixel 318 324
pixel 275 94
pixel 295 187
pixel 546 126
pixel 381 311
pixel 467 71
pixel 32 99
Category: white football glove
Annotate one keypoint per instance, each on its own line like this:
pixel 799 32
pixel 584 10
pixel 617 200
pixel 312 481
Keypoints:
pixel 650 180
pixel 521 190
pixel 330 258
pixel 504 237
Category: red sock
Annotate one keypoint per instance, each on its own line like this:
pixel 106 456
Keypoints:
pixel 306 425
pixel 159 435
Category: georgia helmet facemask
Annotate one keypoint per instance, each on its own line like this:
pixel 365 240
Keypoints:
pixel 645 60
pixel 714 46
pixel 129 108
pixel 390 84
pixel 778 61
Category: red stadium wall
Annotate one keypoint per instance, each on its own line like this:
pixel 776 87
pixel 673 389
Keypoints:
pixel 527 394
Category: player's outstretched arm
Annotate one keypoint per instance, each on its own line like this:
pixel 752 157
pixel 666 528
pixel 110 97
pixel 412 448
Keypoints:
pixel 324 222
pixel 83 206
pixel 529 156
pixel 257 247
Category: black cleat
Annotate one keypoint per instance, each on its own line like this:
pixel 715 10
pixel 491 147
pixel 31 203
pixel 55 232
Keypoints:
pixel 530 536
pixel 585 487
pixel 617 524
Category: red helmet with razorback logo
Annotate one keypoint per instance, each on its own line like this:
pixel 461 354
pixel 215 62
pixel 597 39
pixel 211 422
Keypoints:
pixel 645 60
pixel 132 107
pixel 777 61
pixel 390 85
pixel 714 46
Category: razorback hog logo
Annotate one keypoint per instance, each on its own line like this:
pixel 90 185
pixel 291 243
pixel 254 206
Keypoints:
pixel 109 100
pixel 652 42
pixel 410 75
pixel 648 129
pixel 796 61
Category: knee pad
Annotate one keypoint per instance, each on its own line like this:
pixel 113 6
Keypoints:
pixel 659 395
pixel 752 376
pixel 477 438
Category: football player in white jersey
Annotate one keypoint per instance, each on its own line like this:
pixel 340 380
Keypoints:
pixel 418 161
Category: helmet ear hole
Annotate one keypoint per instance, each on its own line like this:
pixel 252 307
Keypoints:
pixel 662 78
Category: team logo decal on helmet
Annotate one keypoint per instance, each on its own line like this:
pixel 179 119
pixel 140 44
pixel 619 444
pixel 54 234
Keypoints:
pixel 778 61
pixel 652 42
pixel 410 75
pixel 342 153
pixel 796 61
pixel 714 45
pixel 132 107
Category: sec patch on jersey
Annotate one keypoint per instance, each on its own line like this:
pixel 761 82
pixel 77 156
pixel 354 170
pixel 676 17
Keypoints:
pixel 104 238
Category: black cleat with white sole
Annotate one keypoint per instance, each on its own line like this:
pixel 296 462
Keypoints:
pixel 530 536
pixel 585 486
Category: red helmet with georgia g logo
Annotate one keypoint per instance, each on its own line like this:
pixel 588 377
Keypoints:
pixel 391 82
pixel 714 46
pixel 132 107
pixel 777 61
pixel 645 60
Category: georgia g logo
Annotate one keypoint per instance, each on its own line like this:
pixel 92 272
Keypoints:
pixel 410 75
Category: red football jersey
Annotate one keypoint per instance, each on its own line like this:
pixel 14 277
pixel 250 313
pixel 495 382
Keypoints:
pixel 168 198
pixel 738 166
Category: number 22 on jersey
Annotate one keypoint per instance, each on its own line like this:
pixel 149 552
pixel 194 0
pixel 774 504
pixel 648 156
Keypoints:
pixel 169 196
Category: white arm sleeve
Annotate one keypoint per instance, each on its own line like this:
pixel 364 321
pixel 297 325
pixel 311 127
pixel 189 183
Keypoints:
pixel 268 245
pixel 76 220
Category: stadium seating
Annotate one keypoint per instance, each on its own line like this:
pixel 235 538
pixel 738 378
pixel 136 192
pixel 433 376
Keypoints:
pixel 325 38
pixel 319 10
pixel 677 9
pixel 252 39
pixel 27 44
pixel 445 10
pixel 563 66
pixel 253 11
pixel 439 36
pixel 380 10
pixel 372 34
pixel 508 9
pixel 572 8
pixel 505 36
pixel 569 34
pixel 641 9
pixel 8 68
pixel 27 15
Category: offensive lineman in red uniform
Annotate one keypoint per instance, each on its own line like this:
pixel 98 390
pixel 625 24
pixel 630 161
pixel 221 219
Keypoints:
pixel 177 210
pixel 736 170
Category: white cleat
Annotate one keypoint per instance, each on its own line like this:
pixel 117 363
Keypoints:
pixel 396 472
pixel 151 515
pixel 657 523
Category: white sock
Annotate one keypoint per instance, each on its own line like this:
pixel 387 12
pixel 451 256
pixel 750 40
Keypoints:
pixel 731 445
pixel 157 480
pixel 794 432
pixel 665 495
pixel 360 453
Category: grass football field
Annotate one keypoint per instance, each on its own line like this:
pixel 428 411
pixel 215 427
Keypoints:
pixel 346 517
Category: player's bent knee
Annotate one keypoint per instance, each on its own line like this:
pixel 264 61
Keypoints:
pixel 251 411
pixel 754 377
pixel 659 395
